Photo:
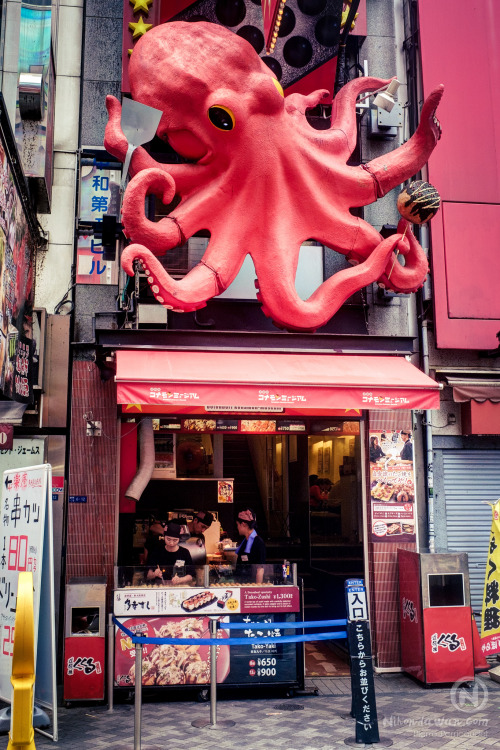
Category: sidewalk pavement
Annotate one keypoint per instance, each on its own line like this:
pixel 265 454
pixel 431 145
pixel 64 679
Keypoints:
pixel 410 715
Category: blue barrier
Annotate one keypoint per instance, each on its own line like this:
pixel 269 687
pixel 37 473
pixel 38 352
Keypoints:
pixel 213 642
pixel 337 635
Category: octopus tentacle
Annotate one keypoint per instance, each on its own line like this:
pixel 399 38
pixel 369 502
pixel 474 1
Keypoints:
pixel 281 302
pixel 411 276
pixel 209 278
pixel 185 295
pixel 158 236
pixel 344 110
pixel 399 165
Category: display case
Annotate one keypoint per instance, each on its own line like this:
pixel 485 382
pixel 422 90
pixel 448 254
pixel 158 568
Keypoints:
pixel 156 608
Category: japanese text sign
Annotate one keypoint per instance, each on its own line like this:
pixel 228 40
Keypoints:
pixel 490 616
pixel 23 507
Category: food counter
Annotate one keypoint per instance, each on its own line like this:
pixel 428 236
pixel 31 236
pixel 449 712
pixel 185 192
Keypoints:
pixel 166 611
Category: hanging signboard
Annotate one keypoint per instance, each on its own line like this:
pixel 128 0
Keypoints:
pixel 26 543
pixel 490 615
pixel 392 487
pixel 16 290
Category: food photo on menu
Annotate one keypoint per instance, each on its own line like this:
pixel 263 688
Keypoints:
pixel 166 664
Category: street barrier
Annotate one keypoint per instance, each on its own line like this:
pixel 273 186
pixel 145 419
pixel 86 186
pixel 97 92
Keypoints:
pixel 357 633
pixel 213 642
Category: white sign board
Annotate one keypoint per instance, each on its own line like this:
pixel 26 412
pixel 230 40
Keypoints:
pixel 356 604
pixel 26 544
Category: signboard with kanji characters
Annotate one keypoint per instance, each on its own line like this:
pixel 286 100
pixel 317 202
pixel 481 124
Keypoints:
pixel 490 617
pixel 26 545
pixel 170 600
pixel 165 665
pixel 99 195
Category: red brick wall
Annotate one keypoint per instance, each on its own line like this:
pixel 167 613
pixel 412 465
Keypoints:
pixel 93 472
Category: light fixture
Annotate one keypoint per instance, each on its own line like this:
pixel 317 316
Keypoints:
pixel 385 98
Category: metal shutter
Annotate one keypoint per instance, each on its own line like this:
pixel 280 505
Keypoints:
pixel 469 478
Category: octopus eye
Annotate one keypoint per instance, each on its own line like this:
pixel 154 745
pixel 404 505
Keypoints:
pixel 221 117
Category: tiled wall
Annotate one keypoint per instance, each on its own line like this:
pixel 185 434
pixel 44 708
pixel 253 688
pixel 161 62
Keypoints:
pixel 383 577
pixel 93 473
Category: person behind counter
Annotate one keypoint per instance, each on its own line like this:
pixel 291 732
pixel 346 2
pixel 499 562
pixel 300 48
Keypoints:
pixel 195 544
pixel 168 554
pixel 252 550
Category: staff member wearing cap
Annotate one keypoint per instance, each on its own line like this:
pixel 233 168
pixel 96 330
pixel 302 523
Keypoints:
pixel 252 550
pixel 196 543
pixel 163 557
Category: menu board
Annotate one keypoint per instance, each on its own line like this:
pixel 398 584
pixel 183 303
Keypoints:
pixel 217 600
pixel 274 425
pixel 167 665
pixel 392 487
pixel 262 662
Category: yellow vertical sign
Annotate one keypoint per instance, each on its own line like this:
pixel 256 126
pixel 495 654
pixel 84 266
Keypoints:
pixel 490 616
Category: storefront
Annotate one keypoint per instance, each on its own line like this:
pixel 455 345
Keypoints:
pixel 235 429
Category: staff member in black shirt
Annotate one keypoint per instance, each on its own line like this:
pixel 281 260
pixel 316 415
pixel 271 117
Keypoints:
pixel 166 554
pixel 252 550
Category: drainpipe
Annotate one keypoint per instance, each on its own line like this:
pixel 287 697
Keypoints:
pixel 146 461
pixel 429 491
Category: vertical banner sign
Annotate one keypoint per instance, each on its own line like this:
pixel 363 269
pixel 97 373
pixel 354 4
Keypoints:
pixel 364 708
pixel 392 487
pixel 25 540
pixel 490 616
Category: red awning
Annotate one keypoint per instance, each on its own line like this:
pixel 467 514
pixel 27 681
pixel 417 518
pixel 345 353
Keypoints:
pixel 314 384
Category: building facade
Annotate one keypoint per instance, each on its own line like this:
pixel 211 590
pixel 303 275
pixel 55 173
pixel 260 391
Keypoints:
pixel 110 345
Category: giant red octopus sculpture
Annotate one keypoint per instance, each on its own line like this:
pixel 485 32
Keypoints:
pixel 259 178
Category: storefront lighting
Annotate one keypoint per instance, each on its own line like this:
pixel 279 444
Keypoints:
pixel 384 97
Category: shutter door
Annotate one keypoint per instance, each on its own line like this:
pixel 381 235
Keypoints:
pixel 470 477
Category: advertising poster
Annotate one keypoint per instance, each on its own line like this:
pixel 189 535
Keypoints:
pixel 225 493
pixel 165 664
pixel 392 487
pixel 16 291
pixel 168 600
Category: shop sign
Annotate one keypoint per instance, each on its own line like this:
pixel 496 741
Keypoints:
pixel 99 195
pixel 23 511
pixel 392 488
pixel 16 291
pixel 490 616
pixel 213 601
pixel 252 664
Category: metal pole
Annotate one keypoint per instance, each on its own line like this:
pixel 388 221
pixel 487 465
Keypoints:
pixel 138 696
pixel 212 723
pixel 111 676
pixel 213 674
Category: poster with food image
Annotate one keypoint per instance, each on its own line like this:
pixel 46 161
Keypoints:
pixel 225 492
pixel 392 489
pixel 167 664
